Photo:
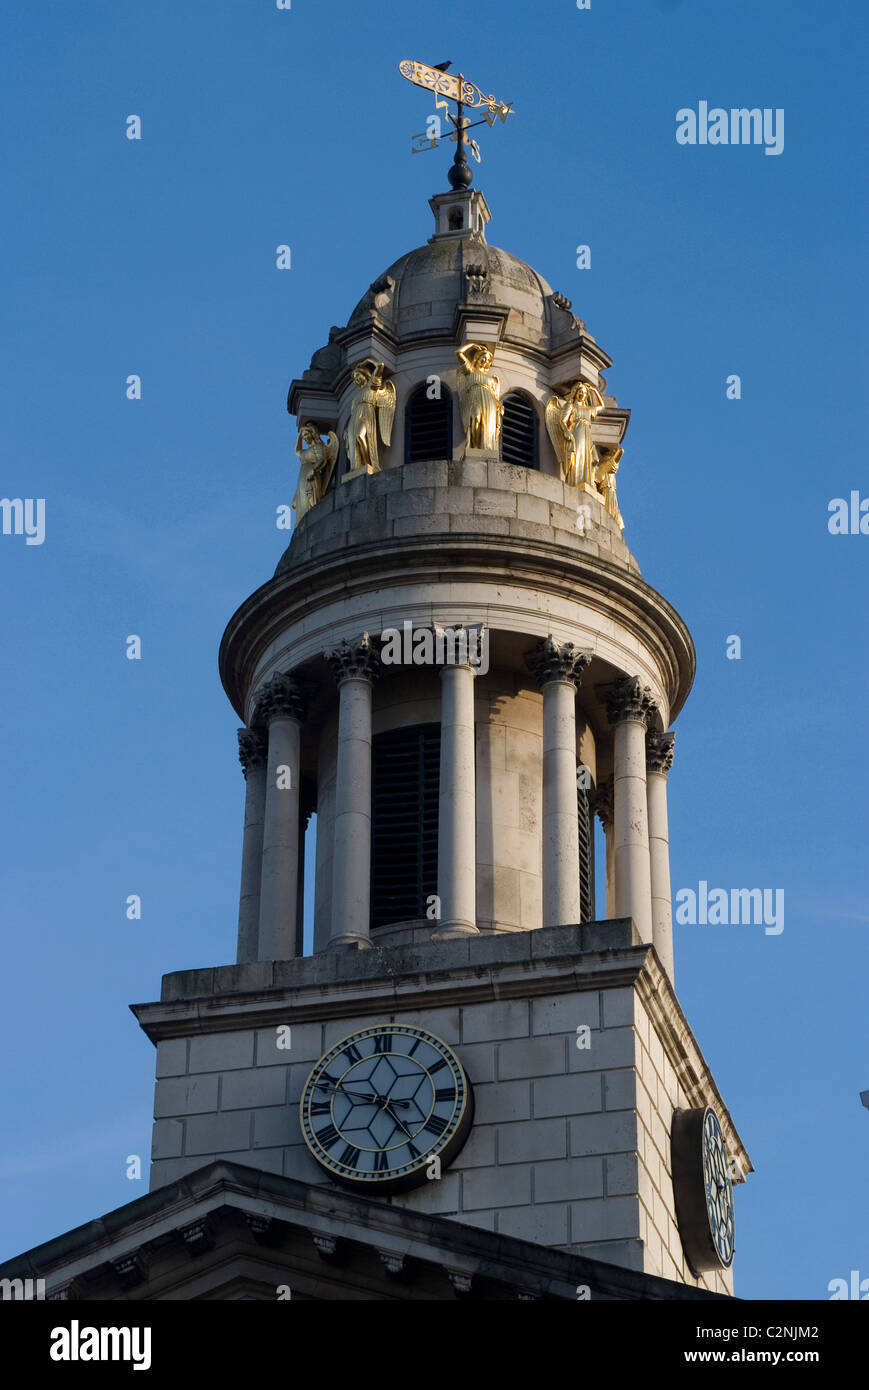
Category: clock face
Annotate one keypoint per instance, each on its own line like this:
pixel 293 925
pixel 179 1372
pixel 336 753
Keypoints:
pixel 382 1103
pixel 719 1189
pixel 702 1189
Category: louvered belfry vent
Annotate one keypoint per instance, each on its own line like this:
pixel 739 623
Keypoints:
pixel 586 854
pixel 428 426
pixel 519 431
pixel 404 831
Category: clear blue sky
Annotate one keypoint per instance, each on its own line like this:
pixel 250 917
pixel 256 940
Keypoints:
pixel 158 258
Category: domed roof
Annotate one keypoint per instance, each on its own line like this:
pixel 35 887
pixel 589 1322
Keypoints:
pixel 417 296
pixel 441 289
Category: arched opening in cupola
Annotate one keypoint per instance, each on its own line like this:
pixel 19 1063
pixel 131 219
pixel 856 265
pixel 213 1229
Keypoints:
pixel 428 423
pixel 519 431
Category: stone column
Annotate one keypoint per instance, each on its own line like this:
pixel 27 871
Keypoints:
pixel 603 806
pixel 558 668
pixel 659 760
pixel 355 665
pixel 457 805
pixel 630 705
pixel 279 710
pixel 252 748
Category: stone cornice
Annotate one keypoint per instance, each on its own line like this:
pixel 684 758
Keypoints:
pixel 228 1199
pixel 555 569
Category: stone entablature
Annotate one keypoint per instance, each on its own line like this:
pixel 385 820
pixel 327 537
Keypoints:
pixel 452 543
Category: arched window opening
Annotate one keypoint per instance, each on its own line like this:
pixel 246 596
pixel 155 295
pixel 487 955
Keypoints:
pixel 519 431
pixel 428 424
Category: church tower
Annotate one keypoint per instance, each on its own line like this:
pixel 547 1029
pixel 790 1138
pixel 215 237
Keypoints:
pixel 458 665
pixel 479 1081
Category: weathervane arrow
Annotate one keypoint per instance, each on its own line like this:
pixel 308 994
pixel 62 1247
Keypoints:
pixel 449 87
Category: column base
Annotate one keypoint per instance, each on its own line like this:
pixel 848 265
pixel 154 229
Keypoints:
pixel 490 454
pixel 446 930
pixel 362 943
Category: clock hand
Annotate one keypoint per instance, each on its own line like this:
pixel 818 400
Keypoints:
pixel 368 1096
pixel 360 1095
pixel 398 1121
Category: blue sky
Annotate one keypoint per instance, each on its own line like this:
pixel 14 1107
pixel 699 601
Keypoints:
pixel 157 257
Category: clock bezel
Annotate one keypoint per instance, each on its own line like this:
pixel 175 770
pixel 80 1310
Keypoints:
pixel 445 1147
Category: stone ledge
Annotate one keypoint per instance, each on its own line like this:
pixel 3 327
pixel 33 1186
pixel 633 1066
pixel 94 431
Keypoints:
pixel 332 967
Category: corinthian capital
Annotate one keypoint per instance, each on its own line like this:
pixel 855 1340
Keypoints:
pixel 659 752
pixel 279 698
pixel 252 749
pixel 630 700
pixel 557 661
pixel 359 660
pixel 603 802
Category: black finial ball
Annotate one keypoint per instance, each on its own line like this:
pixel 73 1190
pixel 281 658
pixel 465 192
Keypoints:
pixel 460 176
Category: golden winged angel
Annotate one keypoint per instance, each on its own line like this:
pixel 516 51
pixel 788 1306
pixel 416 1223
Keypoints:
pixel 568 420
pixel 372 409
pixel 316 467
pixel 479 397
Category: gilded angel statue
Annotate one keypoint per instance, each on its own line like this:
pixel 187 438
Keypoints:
pixel 479 397
pixel 316 467
pixel 568 421
pixel 605 481
pixel 373 406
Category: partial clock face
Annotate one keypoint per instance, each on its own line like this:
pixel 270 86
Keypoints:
pixel 703 1189
pixel 382 1103
pixel 719 1189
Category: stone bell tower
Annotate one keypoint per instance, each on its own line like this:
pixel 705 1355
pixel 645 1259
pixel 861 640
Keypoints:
pixel 457 666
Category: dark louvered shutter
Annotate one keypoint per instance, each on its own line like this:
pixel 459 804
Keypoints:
pixel 519 431
pixel 404 830
pixel 586 854
pixel 428 426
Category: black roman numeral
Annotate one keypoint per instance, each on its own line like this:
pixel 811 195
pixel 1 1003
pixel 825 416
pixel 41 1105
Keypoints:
pixel 327 1136
pixel 353 1053
pixel 435 1125
pixel 382 1042
pixel 321 1107
pixel 350 1157
pixel 436 1066
pixel 445 1093
pixel 381 1161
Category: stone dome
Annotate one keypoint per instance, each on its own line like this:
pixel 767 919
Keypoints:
pixel 418 294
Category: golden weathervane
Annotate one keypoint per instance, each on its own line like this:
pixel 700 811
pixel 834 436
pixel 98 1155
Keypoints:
pixel 447 88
